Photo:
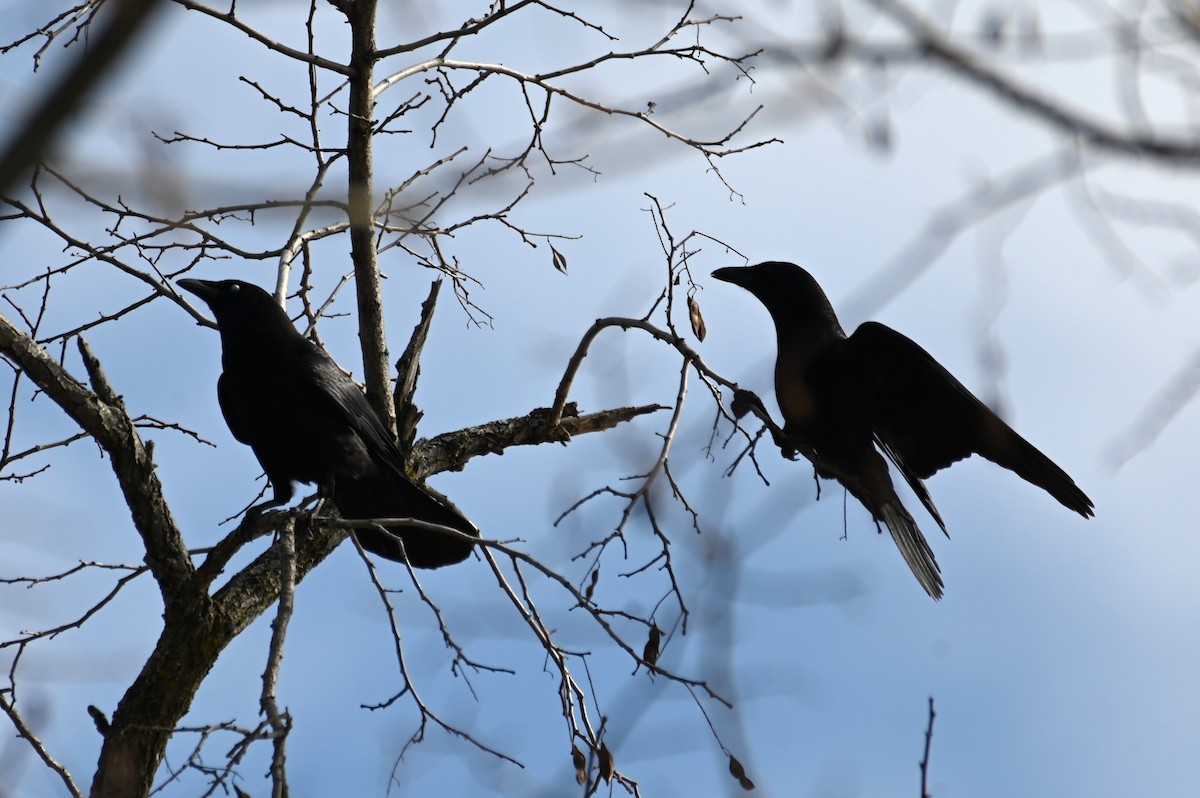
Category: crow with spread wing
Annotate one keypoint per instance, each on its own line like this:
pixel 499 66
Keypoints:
pixel 845 399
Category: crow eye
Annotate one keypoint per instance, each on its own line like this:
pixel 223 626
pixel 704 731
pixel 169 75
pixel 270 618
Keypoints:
pixel 235 288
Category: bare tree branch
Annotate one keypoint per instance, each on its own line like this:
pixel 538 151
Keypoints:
pixel 122 24
pixel 8 705
pixel 1058 112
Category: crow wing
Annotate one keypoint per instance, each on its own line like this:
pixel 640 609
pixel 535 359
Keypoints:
pixel 924 419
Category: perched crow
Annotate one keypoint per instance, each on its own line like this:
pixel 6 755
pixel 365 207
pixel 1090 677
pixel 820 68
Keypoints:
pixel 841 397
pixel 308 422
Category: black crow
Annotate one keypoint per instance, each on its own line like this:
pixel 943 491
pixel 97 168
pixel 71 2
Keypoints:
pixel 842 396
pixel 308 422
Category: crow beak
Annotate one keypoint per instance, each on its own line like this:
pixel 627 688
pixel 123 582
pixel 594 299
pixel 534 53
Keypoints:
pixel 204 289
pixel 733 274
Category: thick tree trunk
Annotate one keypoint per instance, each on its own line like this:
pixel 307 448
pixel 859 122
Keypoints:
pixel 193 636
pixel 157 699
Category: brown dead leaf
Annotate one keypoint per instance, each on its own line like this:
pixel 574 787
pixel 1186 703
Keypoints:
pixel 560 260
pixel 650 652
pixel 739 773
pixel 607 769
pixel 580 763
pixel 697 320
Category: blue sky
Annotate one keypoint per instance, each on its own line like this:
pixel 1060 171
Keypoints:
pixel 1062 659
